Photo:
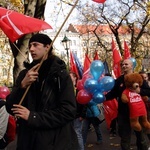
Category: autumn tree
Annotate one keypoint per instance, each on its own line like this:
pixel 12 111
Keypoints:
pixel 131 15
pixel 33 8
pixel 36 9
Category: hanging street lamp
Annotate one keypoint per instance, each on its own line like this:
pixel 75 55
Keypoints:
pixel 66 44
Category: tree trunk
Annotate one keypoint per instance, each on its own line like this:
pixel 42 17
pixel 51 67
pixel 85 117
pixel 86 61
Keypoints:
pixel 33 8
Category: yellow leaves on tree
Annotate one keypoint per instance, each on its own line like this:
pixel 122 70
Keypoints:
pixel 148 8
pixel 16 2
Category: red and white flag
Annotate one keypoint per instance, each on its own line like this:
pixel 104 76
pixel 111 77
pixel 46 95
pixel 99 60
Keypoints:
pixel 116 60
pixel 126 51
pixel 15 24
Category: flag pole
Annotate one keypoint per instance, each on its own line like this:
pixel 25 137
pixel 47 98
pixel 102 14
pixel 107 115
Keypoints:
pixel 27 89
pixel 19 50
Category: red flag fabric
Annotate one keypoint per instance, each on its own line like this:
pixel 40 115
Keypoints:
pixel 15 24
pixel 73 67
pixel 99 1
pixel 96 57
pixel 116 60
pixel 110 111
pixel 87 63
pixel 126 51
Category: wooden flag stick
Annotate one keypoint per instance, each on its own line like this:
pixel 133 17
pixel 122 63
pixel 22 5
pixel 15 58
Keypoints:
pixel 27 89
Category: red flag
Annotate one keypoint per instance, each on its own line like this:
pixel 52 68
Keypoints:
pixel 96 57
pixel 87 63
pixel 99 1
pixel 73 67
pixel 126 51
pixel 110 111
pixel 15 24
pixel 116 60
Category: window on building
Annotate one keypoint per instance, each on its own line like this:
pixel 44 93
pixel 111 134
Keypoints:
pixel 74 42
pixel 75 52
pixel 71 43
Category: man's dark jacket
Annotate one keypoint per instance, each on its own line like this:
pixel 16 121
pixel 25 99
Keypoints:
pixel 116 92
pixel 52 106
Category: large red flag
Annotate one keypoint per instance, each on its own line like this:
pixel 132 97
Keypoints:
pixel 87 63
pixel 126 51
pixel 116 60
pixel 99 1
pixel 110 111
pixel 73 67
pixel 15 24
pixel 96 57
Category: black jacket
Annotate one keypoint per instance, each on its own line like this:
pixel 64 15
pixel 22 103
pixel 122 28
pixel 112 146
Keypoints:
pixel 52 106
pixel 116 92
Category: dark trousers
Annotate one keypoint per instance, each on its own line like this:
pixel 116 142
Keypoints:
pixel 113 126
pixel 141 140
pixel 125 131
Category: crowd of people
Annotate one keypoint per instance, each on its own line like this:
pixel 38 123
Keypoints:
pixel 50 118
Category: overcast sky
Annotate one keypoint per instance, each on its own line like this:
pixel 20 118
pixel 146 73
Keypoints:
pixel 54 19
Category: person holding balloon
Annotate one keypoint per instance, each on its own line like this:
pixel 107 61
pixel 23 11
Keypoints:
pixel 124 128
pixel 92 87
pixel 110 112
pixel 92 119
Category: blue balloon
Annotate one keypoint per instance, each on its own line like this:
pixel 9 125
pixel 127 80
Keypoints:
pixel 90 85
pixel 133 61
pixel 100 87
pixel 96 69
pixel 107 83
pixel 98 97
pixel 95 110
pixel 92 111
pixel 91 102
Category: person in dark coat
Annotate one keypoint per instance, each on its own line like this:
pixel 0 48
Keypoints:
pixel 124 128
pixel 46 114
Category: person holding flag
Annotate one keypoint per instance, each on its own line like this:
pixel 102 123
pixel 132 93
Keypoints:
pixel 49 107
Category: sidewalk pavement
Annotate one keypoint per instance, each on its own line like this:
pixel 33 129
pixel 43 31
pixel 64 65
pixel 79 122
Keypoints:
pixel 108 143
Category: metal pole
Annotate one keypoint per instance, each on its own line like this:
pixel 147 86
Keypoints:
pixel 67 49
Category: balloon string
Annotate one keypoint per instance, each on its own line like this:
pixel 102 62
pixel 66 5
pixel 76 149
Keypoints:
pixel 27 89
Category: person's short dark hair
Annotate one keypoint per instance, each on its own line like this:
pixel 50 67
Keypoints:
pixel 41 38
